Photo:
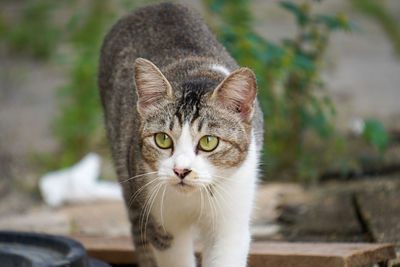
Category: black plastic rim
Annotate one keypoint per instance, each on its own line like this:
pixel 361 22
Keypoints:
pixel 15 249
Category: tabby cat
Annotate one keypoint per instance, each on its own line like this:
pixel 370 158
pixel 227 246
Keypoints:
pixel 185 131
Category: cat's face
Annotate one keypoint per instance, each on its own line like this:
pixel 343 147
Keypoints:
pixel 193 137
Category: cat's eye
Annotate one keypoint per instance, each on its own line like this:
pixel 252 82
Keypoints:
pixel 163 140
pixel 208 143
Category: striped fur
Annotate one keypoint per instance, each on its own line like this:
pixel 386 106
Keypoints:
pixel 162 71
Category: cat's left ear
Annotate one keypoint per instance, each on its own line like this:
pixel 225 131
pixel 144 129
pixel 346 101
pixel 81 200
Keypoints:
pixel 237 93
pixel 151 85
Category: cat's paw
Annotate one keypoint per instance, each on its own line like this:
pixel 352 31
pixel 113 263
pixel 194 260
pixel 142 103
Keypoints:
pixel 160 239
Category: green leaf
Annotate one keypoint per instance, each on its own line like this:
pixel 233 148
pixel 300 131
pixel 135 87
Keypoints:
pixel 339 22
pixel 301 17
pixel 375 134
pixel 74 21
pixel 303 62
pixel 331 22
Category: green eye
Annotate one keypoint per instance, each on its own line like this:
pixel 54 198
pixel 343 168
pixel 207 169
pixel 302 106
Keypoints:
pixel 163 140
pixel 208 143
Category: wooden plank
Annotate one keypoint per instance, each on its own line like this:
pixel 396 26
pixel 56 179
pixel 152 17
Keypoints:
pixel 121 251
pixel 320 219
pixel 319 254
pixel 379 209
pixel 112 250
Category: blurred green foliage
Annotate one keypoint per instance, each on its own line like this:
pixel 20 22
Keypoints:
pixel 23 36
pixel 301 141
pixel 375 134
pixel 74 43
pixel 291 91
pixel 80 112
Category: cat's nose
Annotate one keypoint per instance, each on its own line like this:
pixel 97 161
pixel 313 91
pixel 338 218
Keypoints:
pixel 181 173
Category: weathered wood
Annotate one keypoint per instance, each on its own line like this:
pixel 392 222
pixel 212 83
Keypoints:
pixel 121 251
pixel 379 209
pixel 112 250
pixel 321 219
pixel 319 254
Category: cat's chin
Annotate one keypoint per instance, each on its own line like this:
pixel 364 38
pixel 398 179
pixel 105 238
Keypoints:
pixel 184 188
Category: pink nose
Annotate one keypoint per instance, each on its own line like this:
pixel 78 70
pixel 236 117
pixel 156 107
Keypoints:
pixel 181 173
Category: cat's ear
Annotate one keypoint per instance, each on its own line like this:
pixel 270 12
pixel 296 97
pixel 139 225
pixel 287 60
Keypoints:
pixel 151 85
pixel 237 93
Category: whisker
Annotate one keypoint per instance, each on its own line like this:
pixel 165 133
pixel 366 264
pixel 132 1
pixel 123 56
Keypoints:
pixel 222 177
pixel 162 207
pixel 141 217
pixel 151 205
pixel 201 205
pixel 212 208
pixel 136 194
pixel 216 207
pixel 200 182
pixel 143 211
pixel 136 176
pixel 215 184
pixel 217 201
pixel 218 185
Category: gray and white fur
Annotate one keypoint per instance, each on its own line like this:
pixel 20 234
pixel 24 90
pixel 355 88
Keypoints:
pixel 162 71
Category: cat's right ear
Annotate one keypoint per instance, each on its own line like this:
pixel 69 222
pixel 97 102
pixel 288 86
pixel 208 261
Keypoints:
pixel 151 85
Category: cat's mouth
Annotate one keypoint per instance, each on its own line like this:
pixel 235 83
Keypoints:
pixel 184 187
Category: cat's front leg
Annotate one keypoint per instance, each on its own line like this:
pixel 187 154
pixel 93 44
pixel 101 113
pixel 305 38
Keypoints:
pixel 228 246
pixel 179 252
pixel 226 235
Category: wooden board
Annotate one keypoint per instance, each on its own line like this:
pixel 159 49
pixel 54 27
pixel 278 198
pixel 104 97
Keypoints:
pixel 380 211
pixel 121 251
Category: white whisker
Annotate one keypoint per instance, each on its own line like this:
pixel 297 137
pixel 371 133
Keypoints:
pixel 142 214
pixel 151 205
pixel 132 198
pixel 144 210
pixel 212 208
pixel 201 205
pixel 162 207
pixel 217 201
pixel 226 193
pixel 221 177
pixel 136 176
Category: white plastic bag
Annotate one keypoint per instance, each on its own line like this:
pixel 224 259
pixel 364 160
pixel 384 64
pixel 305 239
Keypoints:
pixel 78 183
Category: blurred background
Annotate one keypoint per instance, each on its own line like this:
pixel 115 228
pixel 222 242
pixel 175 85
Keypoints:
pixel 328 75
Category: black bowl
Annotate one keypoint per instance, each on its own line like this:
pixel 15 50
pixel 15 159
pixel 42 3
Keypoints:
pixel 25 249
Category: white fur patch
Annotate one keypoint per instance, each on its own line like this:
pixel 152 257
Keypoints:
pixel 184 154
pixel 221 212
pixel 220 68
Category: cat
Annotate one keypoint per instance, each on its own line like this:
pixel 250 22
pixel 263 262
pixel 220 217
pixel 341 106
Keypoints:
pixel 186 132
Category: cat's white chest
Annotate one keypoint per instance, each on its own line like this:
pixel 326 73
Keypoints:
pixel 229 198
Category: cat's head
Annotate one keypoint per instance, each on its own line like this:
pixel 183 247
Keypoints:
pixel 194 132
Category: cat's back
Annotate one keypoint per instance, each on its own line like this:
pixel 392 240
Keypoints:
pixel 164 33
